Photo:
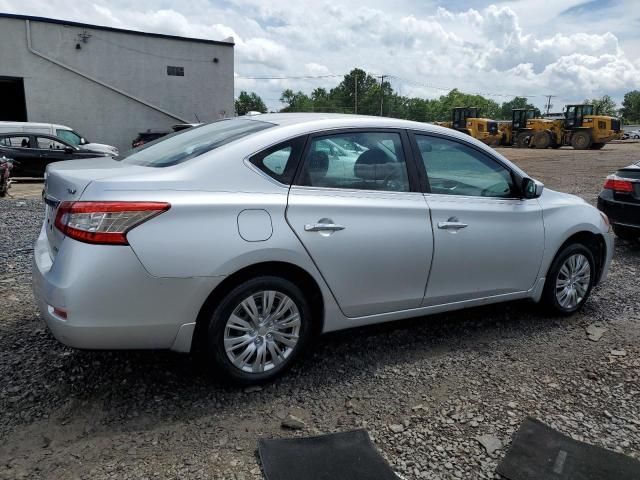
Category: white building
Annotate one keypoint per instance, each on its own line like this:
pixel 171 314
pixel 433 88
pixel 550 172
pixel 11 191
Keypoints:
pixel 108 83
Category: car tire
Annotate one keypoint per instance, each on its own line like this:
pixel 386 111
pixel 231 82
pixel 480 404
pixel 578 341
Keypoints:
pixel 541 140
pixel 257 330
pixel 568 269
pixel 522 140
pixel 581 140
pixel 626 233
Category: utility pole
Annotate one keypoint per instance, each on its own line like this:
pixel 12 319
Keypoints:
pixel 549 97
pixel 356 93
pixel 381 92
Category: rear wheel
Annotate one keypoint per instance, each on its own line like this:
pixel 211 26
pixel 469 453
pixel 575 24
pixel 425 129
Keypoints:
pixel 626 233
pixel 258 330
pixel 542 140
pixel 569 280
pixel 581 140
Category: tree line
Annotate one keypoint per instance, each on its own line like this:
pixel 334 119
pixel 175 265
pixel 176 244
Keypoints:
pixel 362 93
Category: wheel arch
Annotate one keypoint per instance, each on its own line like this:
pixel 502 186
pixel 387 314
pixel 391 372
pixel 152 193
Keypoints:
pixel 289 271
pixel 595 242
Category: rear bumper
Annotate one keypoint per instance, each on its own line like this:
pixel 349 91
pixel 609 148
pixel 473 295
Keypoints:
pixel 619 213
pixel 111 301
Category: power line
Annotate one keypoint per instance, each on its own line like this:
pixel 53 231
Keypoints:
pixel 289 77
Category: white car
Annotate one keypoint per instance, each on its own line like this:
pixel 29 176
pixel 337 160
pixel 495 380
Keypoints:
pixel 61 131
pixel 635 134
pixel 246 238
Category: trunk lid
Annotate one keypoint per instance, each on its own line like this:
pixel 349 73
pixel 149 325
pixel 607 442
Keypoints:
pixel 66 181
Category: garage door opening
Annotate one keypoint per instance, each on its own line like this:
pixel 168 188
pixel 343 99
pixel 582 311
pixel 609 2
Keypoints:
pixel 12 103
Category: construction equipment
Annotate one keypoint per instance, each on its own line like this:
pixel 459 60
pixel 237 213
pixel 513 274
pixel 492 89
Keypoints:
pixel 579 128
pixel 468 120
pixel 516 132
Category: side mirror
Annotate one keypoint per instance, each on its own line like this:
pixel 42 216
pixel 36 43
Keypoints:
pixel 69 150
pixel 531 188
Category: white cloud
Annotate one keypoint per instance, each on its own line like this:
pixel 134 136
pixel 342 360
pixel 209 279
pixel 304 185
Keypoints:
pixel 509 48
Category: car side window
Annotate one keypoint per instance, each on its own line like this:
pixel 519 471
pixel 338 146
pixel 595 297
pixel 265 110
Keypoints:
pixel 44 142
pixel 280 161
pixel 17 141
pixel 454 168
pixel 358 160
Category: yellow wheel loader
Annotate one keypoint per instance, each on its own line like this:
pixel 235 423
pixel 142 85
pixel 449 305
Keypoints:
pixel 468 120
pixel 517 132
pixel 580 128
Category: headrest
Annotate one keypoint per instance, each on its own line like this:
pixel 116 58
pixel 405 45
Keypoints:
pixel 374 164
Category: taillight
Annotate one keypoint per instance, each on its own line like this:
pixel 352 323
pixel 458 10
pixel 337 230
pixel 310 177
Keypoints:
pixel 618 184
pixel 104 222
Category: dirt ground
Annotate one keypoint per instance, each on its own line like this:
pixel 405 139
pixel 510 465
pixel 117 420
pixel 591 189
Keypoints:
pixel 425 389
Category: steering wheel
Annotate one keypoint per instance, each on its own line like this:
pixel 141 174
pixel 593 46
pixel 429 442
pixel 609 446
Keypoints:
pixel 491 190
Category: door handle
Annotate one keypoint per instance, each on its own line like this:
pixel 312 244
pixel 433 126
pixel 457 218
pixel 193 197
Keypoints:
pixel 452 224
pixel 323 227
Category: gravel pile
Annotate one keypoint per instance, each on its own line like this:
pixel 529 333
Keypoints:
pixel 441 396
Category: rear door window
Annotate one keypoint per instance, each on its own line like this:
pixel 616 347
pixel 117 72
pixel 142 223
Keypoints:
pixel 356 161
pixel 16 141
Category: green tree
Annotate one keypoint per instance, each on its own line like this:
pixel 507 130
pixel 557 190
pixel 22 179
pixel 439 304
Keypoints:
pixel 296 101
pixel 604 105
pixel 248 102
pixel 517 102
pixel 630 110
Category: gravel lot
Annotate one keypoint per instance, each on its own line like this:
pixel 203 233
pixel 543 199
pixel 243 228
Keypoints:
pixel 424 388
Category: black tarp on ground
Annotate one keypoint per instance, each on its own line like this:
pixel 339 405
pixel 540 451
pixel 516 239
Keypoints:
pixel 540 453
pixel 337 456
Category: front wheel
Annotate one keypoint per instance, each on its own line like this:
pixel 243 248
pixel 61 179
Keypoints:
pixel 570 280
pixel 258 330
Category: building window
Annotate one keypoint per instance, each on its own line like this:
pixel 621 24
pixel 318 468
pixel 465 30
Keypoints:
pixel 175 71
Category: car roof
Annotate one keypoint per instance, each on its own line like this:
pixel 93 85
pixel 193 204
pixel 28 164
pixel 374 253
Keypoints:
pixel 39 124
pixel 348 120
pixel 28 134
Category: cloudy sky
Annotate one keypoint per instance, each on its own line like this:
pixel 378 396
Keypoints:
pixel 572 49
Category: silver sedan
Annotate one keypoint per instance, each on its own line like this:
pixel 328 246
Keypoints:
pixel 246 238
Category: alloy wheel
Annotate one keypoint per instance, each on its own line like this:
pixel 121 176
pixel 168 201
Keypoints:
pixel 573 281
pixel 262 331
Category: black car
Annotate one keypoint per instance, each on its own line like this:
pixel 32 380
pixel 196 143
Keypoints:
pixel 34 151
pixel 620 200
pixel 148 136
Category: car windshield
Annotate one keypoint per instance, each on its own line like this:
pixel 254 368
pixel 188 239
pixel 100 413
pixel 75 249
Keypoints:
pixel 70 136
pixel 191 143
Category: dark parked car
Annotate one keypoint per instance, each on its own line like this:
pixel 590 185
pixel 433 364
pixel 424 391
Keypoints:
pixel 148 136
pixel 34 151
pixel 620 200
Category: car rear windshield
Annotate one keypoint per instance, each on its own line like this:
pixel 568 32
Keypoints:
pixel 191 143
pixel 630 173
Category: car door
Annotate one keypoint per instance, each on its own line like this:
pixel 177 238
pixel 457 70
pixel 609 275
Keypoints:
pixel 488 240
pixel 19 148
pixel 356 207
